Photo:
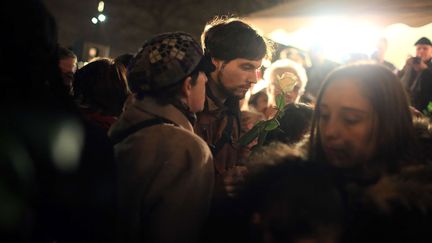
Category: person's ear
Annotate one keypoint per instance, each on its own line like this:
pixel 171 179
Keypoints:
pixel 218 63
pixel 187 87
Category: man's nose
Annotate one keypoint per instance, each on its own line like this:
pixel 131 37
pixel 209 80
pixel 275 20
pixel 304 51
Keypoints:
pixel 253 78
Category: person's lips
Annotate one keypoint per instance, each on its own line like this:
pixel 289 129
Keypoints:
pixel 337 152
pixel 245 88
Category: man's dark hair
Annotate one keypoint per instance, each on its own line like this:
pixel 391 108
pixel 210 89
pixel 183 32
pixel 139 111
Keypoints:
pixel 423 41
pixel 64 53
pixel 228 39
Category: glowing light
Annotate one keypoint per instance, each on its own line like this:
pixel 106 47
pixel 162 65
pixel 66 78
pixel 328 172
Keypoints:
pixel 101 6
pixel 67 145
pixel 94 20
pixel 101 17
pixel 337 36
pixel 261 84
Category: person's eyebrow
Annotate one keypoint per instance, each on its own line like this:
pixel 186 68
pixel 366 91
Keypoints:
pixel 248 65
pixel 353 109
pixel 346 108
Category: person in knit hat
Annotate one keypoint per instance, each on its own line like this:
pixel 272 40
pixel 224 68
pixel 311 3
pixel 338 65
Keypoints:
pixel 416 75
pixel 165 171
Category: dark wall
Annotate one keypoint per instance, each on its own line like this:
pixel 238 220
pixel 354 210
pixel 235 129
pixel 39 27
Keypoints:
pixel 130 22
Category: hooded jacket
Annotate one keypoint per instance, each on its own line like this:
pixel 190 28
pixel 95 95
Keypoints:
pixel 165 174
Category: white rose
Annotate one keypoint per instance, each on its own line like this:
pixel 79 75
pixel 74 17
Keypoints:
pixel 287 81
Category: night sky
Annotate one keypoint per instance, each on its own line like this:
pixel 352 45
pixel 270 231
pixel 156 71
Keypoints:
pixel 130 22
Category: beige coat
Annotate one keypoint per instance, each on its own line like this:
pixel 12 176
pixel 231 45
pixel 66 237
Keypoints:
pixel 166 176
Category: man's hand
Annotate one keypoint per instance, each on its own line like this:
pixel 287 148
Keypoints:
pixel 409 61
pixel 420 66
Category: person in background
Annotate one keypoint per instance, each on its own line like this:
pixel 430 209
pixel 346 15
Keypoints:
pixel 293 54
pixel 257 105
pixel 416 75
pixel 68 66
pixel 356 57
pixel 100 90
pixel 284 76
pixel 289 200
pixel 379 55
pixel 124 59
pixel 317 72
pixel 258 101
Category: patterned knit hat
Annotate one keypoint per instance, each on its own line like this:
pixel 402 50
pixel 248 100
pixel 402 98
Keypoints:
pixel 165 60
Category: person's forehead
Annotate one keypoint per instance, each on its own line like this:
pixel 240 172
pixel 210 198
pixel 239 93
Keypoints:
pixel 346 93
pixel 68 59
pixel 255 63
pixel 421 46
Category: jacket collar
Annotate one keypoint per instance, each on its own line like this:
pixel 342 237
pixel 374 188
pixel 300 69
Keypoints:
pixel 216 106
pixel 213 104
pixel 170 112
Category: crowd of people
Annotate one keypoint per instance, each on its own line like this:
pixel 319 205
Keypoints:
pixel 145 147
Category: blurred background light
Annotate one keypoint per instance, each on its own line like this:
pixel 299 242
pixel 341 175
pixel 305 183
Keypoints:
pixel 101 17
pixel 67 146
pixel 336 36
pixel 101 6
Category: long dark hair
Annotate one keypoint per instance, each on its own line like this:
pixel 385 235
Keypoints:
pixel 394 133
pixel 102 86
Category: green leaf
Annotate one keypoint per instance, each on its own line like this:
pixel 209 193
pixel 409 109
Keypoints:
pixel 280 101
pixel 261 138
pixel 248 137
pixel 429 107
pixel 260 123
pixel 271 125
pixel 280 114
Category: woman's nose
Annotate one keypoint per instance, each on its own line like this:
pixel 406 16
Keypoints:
pixel 331 130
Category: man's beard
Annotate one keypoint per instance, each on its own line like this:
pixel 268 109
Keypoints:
pixel 222 89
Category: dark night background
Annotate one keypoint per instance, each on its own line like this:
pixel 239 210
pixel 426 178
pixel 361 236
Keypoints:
pixel 130 22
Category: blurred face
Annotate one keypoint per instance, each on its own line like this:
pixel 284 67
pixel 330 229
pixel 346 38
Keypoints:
pixel 196 97
pixel 261 103
pixel 68 65
pixel 382 47
pixel 424 51
pixel 346 124
pixel 236 76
